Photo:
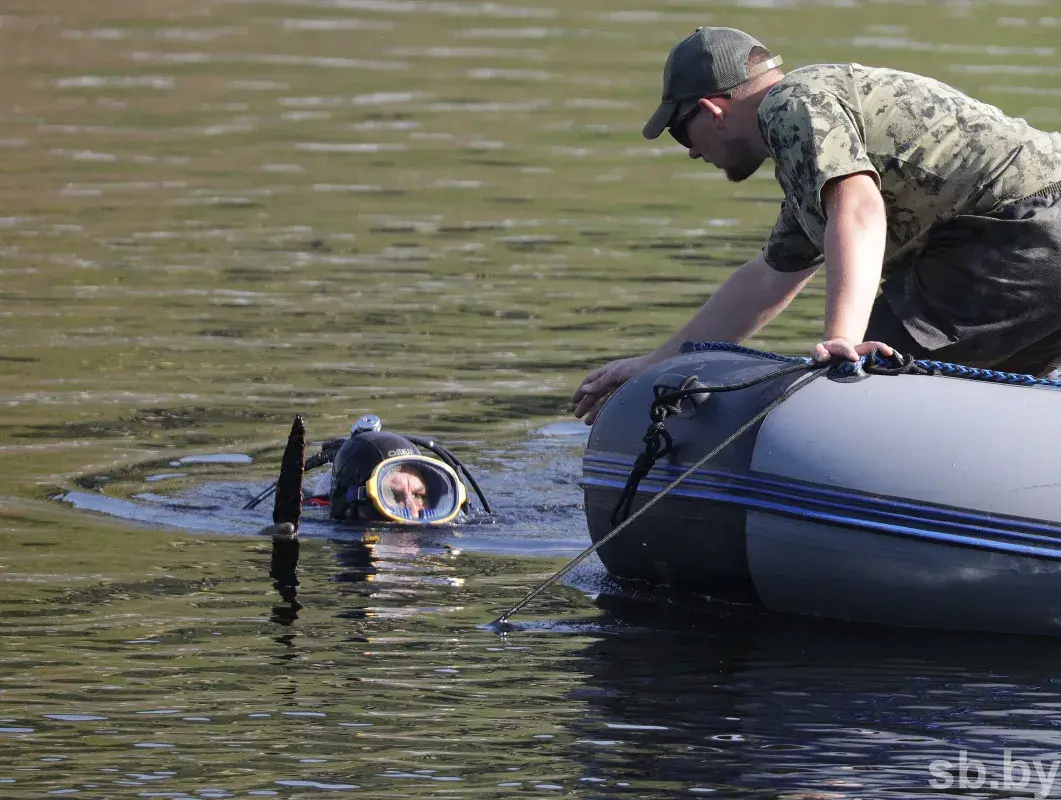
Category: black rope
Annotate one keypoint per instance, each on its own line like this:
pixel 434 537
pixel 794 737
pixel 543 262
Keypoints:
pixel 667 403
pixel 876 364
pixel 448 456
pixel 325 456
pixel 658 443
pixel 814 371
pixel 257 499
pixel 657 439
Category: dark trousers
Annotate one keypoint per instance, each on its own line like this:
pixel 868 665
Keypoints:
pixel 1038 358
pixel 985 291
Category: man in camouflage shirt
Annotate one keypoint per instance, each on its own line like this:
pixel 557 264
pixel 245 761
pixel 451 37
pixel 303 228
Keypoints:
pixel 887 175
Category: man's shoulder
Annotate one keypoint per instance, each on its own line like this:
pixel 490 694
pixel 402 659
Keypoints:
pixel 845 82
pixel 805 99
pixel 855 84
pixel 816 76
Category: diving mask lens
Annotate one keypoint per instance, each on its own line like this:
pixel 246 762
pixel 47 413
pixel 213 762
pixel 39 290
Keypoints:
pixel 417 490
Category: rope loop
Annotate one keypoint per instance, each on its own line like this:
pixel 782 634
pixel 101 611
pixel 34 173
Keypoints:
pixel 895 364
pixel 658 443
pixel 658 440
pixel 643 465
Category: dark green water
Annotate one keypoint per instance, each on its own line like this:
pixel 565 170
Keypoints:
pixel 215 214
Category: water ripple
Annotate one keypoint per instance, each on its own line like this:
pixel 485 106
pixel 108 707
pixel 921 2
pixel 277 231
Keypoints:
pixel 339 24
pixel 273 59
pixel 497 73
pixel 222 213
pixel 901 43
pixel 103 82
pixel 349 147
pixel 499 10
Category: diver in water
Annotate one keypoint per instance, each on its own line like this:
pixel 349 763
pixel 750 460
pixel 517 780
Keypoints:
pixel 376 477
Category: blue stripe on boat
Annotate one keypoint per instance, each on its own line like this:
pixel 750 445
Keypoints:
pixel 844 507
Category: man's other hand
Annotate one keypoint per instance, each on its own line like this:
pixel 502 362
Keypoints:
pixel 599 385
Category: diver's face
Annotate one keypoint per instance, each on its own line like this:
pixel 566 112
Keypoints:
pixel 408 490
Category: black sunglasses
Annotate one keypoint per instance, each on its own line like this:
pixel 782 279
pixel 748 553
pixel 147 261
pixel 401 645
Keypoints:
pixel 678 129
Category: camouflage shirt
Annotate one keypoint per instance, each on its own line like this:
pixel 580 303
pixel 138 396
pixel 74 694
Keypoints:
pixel 934 151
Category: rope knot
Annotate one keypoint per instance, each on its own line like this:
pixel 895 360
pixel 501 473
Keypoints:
pixel 895 364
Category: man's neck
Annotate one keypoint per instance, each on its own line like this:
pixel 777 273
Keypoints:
pixel 753 100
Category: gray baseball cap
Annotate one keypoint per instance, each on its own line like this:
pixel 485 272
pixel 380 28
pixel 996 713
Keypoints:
pixel 707 61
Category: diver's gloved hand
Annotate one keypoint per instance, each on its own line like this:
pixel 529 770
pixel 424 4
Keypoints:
pixel 280 530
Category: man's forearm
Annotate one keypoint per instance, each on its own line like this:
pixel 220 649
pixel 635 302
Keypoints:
pixel 750 298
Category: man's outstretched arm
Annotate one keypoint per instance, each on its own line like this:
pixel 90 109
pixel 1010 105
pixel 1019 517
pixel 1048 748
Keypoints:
pixel 750 297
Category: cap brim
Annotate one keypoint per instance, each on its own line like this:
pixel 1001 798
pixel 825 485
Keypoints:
pixel 659 121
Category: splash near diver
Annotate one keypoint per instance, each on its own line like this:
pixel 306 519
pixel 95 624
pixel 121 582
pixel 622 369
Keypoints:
pixel 376 477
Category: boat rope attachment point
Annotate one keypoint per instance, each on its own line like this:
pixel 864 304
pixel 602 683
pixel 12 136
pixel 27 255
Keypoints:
pixel 813 370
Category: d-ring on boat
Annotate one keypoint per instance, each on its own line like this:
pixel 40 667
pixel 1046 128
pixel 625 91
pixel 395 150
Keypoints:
pixel 929 498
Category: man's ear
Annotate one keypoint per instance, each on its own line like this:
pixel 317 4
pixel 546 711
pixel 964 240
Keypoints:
pixel 717 107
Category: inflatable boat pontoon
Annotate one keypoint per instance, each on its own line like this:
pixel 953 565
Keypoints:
pixel 924 500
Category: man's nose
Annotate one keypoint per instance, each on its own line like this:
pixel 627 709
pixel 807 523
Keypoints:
pixel 694 152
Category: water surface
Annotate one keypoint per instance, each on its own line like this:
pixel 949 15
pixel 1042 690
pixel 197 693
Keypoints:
pixel 219 213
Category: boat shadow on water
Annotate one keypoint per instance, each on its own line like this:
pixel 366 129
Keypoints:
pixel 743 700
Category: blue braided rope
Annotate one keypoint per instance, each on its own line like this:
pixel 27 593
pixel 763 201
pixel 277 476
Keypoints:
pixel 991 375
pixel 729 347
pixel 935 367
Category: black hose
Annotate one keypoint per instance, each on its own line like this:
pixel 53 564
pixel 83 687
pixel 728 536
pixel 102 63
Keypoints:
pixel 455 463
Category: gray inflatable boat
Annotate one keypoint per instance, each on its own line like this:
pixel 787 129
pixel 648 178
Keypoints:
pixel 923 500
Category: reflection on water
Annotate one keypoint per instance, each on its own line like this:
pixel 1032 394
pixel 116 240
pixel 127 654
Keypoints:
pixel 363 662
pixel 220 213
pixel 757 704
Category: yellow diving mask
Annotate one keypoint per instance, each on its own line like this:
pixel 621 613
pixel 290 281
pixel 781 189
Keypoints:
pixel 414 489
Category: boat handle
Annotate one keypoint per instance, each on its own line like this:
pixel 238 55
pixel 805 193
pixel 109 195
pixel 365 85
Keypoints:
pixel 673 382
